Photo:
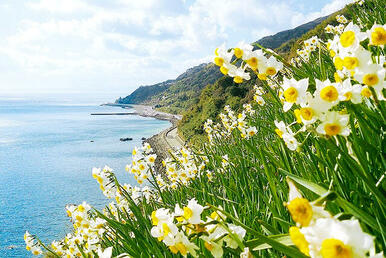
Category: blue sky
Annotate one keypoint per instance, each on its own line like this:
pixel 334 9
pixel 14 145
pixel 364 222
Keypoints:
pixel 114 46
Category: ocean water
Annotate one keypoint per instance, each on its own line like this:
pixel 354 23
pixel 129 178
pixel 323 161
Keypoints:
pixel 46 158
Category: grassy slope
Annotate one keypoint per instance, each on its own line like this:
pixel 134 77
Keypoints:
pixel 225 92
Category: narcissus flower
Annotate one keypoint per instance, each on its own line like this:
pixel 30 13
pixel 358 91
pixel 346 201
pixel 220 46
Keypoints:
pixel 299 240
pixel 333 124
pixel 350 38
pixel 341 19
pixel 351 92
pixel 251 131
pixel 294 92
pixel 372 75
pixel 238 232
pixel 182 245
pixel 239 74
pixel 326 94
pixel 105 253
pixel 242 49
pixel 191 213
pixel 331 238
pixel 214 247
pixel 377 35
pixel 270 67
pixel 222 56
pixel 254 59
pixel 302 211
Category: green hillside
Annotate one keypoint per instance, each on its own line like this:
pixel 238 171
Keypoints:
pixel 214 97
pixel 175 96
pixel 179 95
pixel 275 41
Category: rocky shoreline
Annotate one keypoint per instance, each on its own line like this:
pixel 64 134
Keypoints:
pixel 164 142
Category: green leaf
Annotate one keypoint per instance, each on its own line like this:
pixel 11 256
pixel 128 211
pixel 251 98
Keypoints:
pixel 258 244
pixel 319 190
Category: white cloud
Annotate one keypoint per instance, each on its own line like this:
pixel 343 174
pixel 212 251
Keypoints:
pixel 136 42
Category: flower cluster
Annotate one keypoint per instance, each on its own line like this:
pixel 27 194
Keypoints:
pixel 183 168
pixel 88 232
pixel 230 122
pixel 309 46
pixel 177 229
pixel 258 97
pixel 354 62
pixel 317 103
pixel 341 19
pixel 105 178
pixel 142 163
pixel 248 58
pixel 359 2
pixel 31 244
pixel 318 234
pixel 338 29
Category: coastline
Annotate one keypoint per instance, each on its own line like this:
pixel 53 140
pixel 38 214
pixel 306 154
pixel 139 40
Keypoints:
pixel 165 141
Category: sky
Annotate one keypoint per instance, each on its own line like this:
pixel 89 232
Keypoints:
pixel 114 46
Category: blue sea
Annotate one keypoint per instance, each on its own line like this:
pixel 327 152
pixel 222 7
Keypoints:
pixel 46 158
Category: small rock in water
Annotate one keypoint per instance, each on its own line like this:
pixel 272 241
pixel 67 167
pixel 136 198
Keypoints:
pixel 91 141
pixel 126 139
pixel 143 139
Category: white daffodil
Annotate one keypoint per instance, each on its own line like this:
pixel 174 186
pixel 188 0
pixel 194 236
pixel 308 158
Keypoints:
pixel 329 28
pixel 377 35
pixel 214 247
pixel 259 99
pixel 238 232
pixel 333 124
pixel 182 245
pixel 341 19
pixel 151 158
pixel 165 231
pixel 308 113
pixel 350 92
pixel 251 131
pixel 326 94
pixel 290 141
pixel 329 237
pixel 254 59
pixel 239 74
pixel 333 45
pixel 350 38
pixel 372 75
pixel 242 49
pixel 31 244
pixel 294 92
pixel 224 69
pixel 105 253
pixel 281 128
pixel 287 135
pixel 270 67
pixel 222 56
pixel 357 60
pixel 192 212
pixel 159 216
pixel 302 211
pixel 147 148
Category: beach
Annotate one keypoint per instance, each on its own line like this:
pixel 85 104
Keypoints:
pixel 165 141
